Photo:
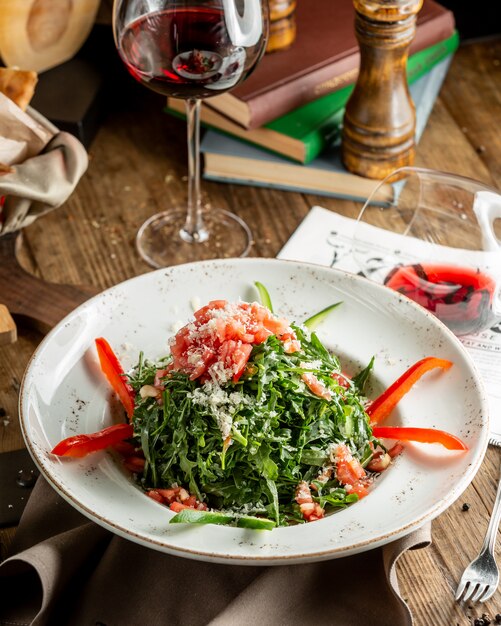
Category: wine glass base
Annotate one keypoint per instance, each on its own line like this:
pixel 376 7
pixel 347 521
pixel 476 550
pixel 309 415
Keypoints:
pixel 162 241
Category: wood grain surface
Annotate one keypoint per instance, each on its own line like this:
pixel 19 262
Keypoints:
pixel 138 166
pixel 32 300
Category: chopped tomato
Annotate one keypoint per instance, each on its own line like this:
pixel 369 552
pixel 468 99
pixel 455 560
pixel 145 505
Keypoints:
pixel 115 374
pixel 379 462
pixel 191 501
pixel 316 386
pixel 342 379
pixel 169 494
pixel 348 468
pixel 154 495
pixel 125 449
pixel 310 510
pixel 82 445
pixel 177 498
pixel 135 464
pixel 262 335
pixel 349 472
pixel 385 403
pixel 203 359
pixel 159 374
pixel 234 355
pixel 303 493
pixel 203 314
pixel 395 450
pixel 177 506
pixel 291 344
pixel 422 435
pixel 277 326
pixel 359 487
pixel 218 344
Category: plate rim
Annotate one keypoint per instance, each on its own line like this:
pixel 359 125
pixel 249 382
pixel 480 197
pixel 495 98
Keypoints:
pixel 264 560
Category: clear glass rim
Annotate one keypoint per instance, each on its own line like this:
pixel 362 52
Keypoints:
pixel 423 172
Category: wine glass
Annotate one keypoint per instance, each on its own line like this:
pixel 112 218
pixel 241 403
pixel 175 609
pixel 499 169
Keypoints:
pixel 191 49
pixel 438 242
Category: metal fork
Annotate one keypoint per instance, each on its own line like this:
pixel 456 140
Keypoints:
pixel 481 578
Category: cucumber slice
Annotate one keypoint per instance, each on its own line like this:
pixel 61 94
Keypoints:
pixel 192 516
pixel 313 321
pixel 258 523
pixel 264 296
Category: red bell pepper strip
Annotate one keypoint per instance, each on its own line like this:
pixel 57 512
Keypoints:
pixel 115 374
pixel 82 445
pixel 385 403
pixel 422 435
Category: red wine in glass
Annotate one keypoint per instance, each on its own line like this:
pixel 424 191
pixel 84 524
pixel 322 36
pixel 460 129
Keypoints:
pixel 461 297
pixel 183 52
pixel 191 49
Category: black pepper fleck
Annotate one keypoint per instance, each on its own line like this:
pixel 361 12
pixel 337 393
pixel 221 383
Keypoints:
pixel 485 620
pixel 3 412
pixel 498 618
pixel 465 507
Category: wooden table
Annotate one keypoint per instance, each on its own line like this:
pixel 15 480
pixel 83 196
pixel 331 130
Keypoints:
pixel 138 166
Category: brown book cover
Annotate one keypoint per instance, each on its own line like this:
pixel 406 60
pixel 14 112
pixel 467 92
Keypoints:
pixel 323 58
pixel 232 161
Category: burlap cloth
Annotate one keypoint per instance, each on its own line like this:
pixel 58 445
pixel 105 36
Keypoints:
pixel 66 570
pixel 42 182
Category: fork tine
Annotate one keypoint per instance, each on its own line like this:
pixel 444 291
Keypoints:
pixel 480 579
pixel 470 591
pixel 460 589
pixel 488 593
pixel 480 592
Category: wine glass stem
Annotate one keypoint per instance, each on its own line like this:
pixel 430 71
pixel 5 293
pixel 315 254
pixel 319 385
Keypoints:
pixel 194 230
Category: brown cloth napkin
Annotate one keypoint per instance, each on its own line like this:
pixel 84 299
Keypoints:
pixel 43 182
pixel 66 570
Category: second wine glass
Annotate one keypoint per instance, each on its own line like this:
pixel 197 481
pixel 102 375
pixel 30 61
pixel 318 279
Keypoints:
pixel 437 242
pixel 191 49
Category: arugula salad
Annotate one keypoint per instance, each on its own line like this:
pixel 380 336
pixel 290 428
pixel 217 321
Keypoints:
pixel 250 421
pixel 246 426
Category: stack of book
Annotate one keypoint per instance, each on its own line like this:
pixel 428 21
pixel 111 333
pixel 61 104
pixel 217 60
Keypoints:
pixel 281 127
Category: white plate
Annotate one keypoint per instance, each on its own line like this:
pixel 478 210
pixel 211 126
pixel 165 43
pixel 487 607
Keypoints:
pixel 64 393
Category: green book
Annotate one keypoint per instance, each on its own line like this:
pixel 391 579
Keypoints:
pixel 228 160
pixel 302 134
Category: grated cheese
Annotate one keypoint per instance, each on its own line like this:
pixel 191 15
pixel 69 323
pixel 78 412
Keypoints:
pixel 195 303
pixel 175 326
pixel 221 404
pixel 311 365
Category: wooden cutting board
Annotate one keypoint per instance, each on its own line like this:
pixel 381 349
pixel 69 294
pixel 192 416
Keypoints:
pixel 31 299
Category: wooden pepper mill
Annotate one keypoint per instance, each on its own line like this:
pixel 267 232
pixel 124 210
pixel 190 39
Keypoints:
pixel 379 122
pixel 282 24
